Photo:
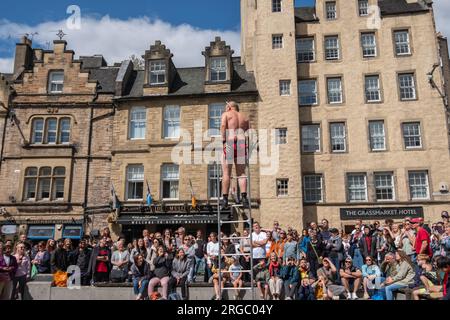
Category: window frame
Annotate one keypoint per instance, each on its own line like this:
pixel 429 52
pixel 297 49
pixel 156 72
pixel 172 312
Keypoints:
pixel 301 94
pixel 212 176
pixel 277 6
pixel 281 139
pixel 381 188
pixel 282 191
pixel 367 93
pixel 427 185
pixel 166 165
pixel 408 42
pixel 414 85
pixel 314 175
pixel 134 181
pixel 419 124
pixel 372 137
pixel 304 53
pixel 373 46
pixel 344 124
pixel 289 86
pixel 318 139
pixel 215 132
pixel 167 121
pixel 52 82
pixel 341 89
pixel 360 7
pixel 217 71
pixel 326 11
pixel 277 44
pixel 42 181
pixel 336 48
pixel 349 191
pixel 33 130
pixel 158 71
pixel 131 121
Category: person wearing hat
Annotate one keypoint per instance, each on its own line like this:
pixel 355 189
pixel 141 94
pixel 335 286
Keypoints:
pixel 351 278
pixel 422 243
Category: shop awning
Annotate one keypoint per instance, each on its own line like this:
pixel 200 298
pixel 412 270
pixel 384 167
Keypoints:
pixel 170 219
pixel 72 232
pixel 41 232
pixel 9 229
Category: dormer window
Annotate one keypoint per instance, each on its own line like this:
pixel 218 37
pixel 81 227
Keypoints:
pixel 218 69
pixel 56 82
pixel 157 72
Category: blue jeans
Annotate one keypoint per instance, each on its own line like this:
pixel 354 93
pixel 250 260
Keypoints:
pixel 390 288
pixel 199 264
pixel 143 289
pixel 358 259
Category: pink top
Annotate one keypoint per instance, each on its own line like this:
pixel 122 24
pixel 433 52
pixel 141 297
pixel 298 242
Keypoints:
pixel 23 266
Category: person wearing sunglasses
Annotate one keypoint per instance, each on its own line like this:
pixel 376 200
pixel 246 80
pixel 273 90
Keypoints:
pixel 370 273
pixel 351 278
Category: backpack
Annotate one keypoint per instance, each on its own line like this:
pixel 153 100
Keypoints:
pixel 174 296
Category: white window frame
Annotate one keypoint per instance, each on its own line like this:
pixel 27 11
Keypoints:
pixel 282 187
pixel 426 185
pixel 308 136
pixel 176 180
pixel 277 41
pixel 218 67
pixel 412 135
pixel 357 188
pixel 170 121
pixel 41 131
pixel 58 83
pixel 331 10
pixel 134 175
pixel 136 123
pixel 52 131
pixel 336 137
pixel 281 136
pixel 285 88
pixel 215 112
pixel 277 5
pixel 308 96
pixel 376 136
pixel 212 176
pixel 385 185
pixel 369 44
pixel 61 130
pixel 363 8
pixel 305 53
pixel 158 69
pixel 308 190
pixel 370 90
pixel 334 91
pixel 402 43
pixel 332 48
pixel 411 86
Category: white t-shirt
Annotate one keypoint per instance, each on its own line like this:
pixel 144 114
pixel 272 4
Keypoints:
pixel 212 249
pixel 259 252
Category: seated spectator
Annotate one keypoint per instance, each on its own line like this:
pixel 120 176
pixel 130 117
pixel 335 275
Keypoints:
pixel 100 261
pixel 370 273
pixel 404 276
pixel 8 267
pixel 389 265
pixel 80 257
pixel 235 271
pixel 141 274
pixel 180 270
pixel 351 278
pixel 444 266
pixel 22 272
pixel 262 278
pixel 119 260
pixel 275 281
pixel 42 259
pixel 160 265
pixel 224 265
pixel 429 279
pixel 305 291
pixel 328 276
pixel 290 277
pixel 304 270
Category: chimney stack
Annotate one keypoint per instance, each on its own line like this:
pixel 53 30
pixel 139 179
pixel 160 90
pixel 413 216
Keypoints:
pixel 24 55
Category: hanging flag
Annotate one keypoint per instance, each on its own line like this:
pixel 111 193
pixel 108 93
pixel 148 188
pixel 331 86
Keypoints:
pixel 115 199
pixel 149 195
pixel 194 200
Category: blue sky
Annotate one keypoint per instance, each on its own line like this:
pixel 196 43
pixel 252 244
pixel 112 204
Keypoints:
pixel 119 29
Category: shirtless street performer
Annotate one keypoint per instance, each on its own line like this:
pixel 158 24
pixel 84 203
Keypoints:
pixel 233 129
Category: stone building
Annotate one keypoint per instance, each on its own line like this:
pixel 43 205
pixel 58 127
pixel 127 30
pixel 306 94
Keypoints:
pixel 353 94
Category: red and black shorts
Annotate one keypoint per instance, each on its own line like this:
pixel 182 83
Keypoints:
pixel 238 148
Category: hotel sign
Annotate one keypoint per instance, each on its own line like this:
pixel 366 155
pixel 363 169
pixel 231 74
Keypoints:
pixel 381 213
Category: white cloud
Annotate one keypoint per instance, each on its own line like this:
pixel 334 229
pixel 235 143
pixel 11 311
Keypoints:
pixel 6 65
pixel 442 12
pixel 119 39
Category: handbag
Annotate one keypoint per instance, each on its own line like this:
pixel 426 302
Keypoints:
pixel 34 272
pixel 118 275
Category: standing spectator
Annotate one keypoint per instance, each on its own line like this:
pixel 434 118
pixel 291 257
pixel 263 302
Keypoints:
pixel 271 244
pixel 280 243
pixel 160 265
pixel 8 267
pixel 42 259
pixel 100 262
pixel 28 245
pixel 370 273
pixel 276 231
pixel 168 241
pixel 119 260
pixel 275 282
pixel 200 252
pixel 315 253
pixel 355 250
pixel 404 276
pixel 408 240
pixel 146 237
pixel 302 249
pixel 245 248
pixel 80 257
pixel 422 244
pixel 290 277
pixel 60 259
pixel 141 248
pixel 212 252
pixel 141 274
pixel 228 246
pixel 22 273
pixel 290 248
pixel 335 249
pixel 351 278
pixel 180 239
pixel 235 271
pixel 445 218
pixel 325 233
pixel 259 239
pixel 262 278
pixel 367 244
pixel 179 275
pixel 50 246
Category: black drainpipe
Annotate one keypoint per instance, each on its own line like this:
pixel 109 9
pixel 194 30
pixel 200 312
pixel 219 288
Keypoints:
pixel 8 109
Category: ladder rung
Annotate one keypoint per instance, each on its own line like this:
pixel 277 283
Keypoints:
pixel 235 238
pixel 237 221
pixel 243 271
pixel 242 288
pixel 235 254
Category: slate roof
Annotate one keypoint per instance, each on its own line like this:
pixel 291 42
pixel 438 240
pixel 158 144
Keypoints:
pixel 191 81
pixel 106 78
pixel 93 62
pixel 387 7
